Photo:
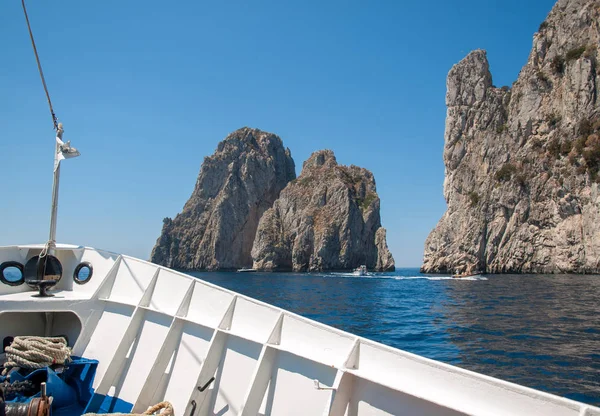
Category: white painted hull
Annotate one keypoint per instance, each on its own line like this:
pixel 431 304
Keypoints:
pixel 158 334
pixel 360 271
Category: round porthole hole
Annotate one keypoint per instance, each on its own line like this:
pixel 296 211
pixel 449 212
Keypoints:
pixel 11 273
pixel 83 273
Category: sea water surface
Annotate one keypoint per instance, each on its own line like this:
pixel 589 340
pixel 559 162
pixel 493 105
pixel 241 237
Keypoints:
pixel 541 331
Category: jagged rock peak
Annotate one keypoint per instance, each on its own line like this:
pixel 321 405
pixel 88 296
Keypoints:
pixel 522 163
pixel 318 159
pixel 326 219
pixel 236 185
pixel 469 80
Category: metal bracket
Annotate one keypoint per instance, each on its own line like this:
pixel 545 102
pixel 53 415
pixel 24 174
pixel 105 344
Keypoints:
pixel 201 389
pixel 318 386
pixel 193 403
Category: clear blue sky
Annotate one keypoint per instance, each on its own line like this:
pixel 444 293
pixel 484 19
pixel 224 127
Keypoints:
pixel 146 90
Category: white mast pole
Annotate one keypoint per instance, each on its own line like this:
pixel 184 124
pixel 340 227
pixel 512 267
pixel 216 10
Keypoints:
pixel 55 186
pixel 61 151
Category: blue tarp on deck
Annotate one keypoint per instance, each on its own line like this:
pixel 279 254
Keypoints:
pixel 70 388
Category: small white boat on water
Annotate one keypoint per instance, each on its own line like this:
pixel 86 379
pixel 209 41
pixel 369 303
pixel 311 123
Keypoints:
pixel 470 271
pixel 119 334
pixel 360 271
pixel 465 275
pixel 247 270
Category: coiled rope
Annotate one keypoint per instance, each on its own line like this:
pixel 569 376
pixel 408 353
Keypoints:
pixel 36 352
pixel 166 407
pixel 18 388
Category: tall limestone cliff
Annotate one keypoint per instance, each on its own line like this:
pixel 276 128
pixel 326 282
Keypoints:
pixel 235 187
pixel 326 219
pixel 522 163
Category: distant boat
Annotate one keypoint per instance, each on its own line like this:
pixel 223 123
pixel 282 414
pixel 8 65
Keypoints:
pixel 244 270
pixel 466 274
pixel 360 271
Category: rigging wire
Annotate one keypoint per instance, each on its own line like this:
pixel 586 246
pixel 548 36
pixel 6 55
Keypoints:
pixel 37 58
pixel 55 123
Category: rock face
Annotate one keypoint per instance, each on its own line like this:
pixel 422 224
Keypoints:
pixel 235 187
pixel 326 219
pixel 522 163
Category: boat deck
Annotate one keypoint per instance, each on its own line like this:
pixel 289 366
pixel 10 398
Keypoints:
pixel 159 334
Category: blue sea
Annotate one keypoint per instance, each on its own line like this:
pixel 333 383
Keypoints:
pixel 541 331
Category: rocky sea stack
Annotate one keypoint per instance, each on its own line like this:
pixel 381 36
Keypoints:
pixel 522 163
pixel 235 187
pixel 326 219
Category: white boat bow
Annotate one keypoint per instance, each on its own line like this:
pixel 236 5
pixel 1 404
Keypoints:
pixel 160 335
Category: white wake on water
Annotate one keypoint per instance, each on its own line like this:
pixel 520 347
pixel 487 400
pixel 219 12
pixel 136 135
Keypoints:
pixel 396 277
pixel 472 278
